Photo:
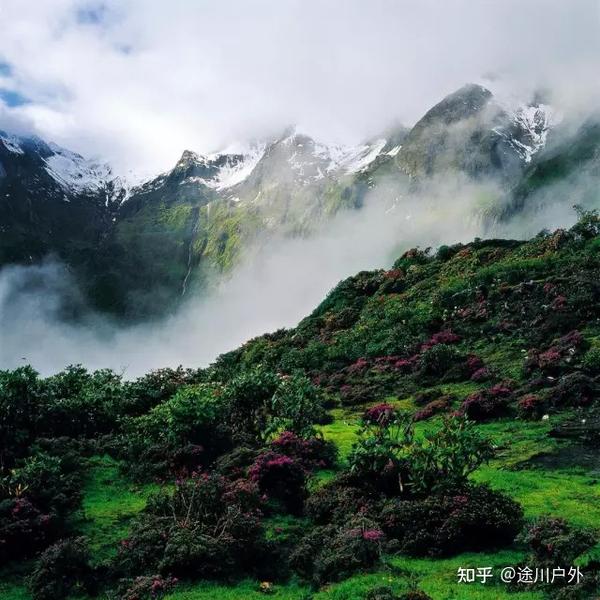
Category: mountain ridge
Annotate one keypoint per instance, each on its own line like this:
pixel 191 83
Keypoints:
pixel 168 234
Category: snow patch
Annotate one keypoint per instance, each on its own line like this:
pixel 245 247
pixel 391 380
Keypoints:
pixel 535 121
pixel 75 173
pixel 232 174
pixel 11 143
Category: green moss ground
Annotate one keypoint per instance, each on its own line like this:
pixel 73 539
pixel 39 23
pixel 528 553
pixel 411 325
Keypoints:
pixel 109 504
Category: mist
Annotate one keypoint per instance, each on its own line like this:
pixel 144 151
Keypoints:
pixel 281 281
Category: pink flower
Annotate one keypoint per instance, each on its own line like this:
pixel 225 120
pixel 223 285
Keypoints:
pixel 373 535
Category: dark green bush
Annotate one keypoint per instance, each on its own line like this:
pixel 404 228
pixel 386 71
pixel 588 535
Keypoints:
pixel 331 553
pixel 282 478
pixel 556 543
pixel 24 529
pixel 444 525
pixel 61 571
pixel 207 527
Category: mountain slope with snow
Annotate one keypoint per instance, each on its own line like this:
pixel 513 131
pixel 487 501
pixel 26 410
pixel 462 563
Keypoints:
pixel 160 238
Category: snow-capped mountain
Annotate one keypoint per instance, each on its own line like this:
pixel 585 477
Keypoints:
pixel 71 171
pixel 157 238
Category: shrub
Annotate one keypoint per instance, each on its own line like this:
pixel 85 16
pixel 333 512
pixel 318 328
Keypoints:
pixel 24 529
pixel 20 391
pixel 208 525
pixel 474 519
pixel 474 363
pixel 483 374
pixel 380 415
pixel 554 542
pixel 313 452
pixel 591 361
pixel 531 406
pixel 384 592
pixel 487 404
pixel 443 459
pixel 248 397
pixel 438 359
pixel 432 408
pixel 62 570
pixel 574 389
pixel 296 406
pixel 388 456
pixel 147 587
pixel 338 500
pixel 155 387
pixel 380 592
pixel 81 404
pixel 359 393
pixel 379 456
pixel 423 398
pixel 331 553
pixel 184 433
pixel 195 415
pixel 47 482
pixel 282 478
pixel 415 595
pixel 234 464
pixel 442 337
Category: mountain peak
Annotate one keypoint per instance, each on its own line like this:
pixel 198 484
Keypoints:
pixel 461 104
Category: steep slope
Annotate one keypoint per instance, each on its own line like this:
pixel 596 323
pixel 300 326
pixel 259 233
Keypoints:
pixel 570 161
pixel 201 216
pixel 469 132
pixel 52 200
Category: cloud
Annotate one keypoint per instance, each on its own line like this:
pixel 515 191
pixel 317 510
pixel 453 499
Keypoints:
pixel 137 81
pixel 280 282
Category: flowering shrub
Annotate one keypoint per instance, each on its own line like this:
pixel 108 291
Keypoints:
pixel 24 529
pixel 574 389
pixel 474 363
pixel 360 366
pixel 487 404
pixel 148 587
pixel 358 393
pixel 331 553
pixel 432 408
pixel 62 570
pixel 282 478
pixel 472 520
pixel 442 337
pixel 531 406
pixel 483 374
pixel 380 415
pixel 554 359
pixel 554 542
pixel 208 525
pixel 314 452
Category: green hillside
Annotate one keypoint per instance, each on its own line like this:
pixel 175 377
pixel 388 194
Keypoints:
pixel 437 416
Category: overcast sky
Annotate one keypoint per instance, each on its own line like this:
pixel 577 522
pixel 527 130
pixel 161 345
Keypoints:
pixel 138 81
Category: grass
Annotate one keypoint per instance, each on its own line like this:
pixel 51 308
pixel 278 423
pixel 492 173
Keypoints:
pixel 437 577
pixel 109 503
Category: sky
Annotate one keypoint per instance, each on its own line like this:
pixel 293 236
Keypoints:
pixel 136 82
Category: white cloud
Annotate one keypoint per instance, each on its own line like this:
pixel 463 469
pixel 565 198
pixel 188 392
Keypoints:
pixel 137 81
